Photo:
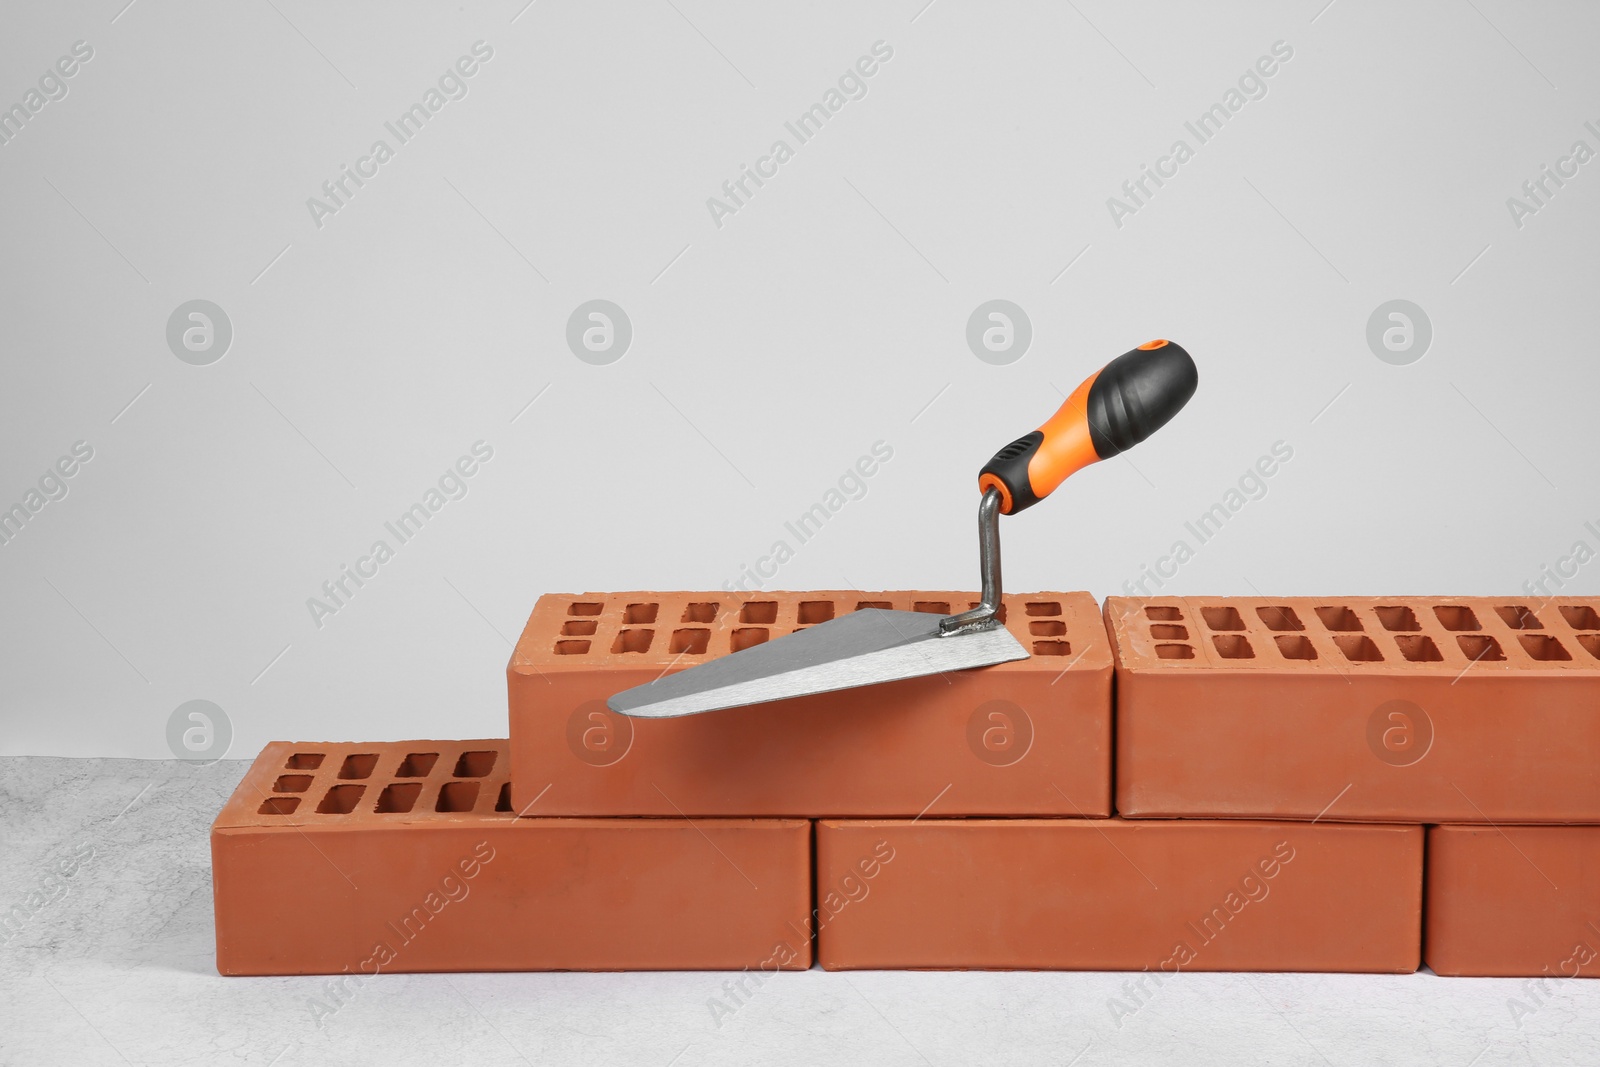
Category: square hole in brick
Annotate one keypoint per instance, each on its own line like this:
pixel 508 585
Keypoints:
pixel 703 612
pixel 815 611
pixel 1397 619
pixel 1045 607
pixel 764 612
pixel 1358 648
pixel 748 637
pixel 1163 614
pixel 1222 618
pixel 292 783
pixel 1166 631
pixel 1340 619
pixel 1543 648
pixel 1233 646
pixel 503 801
pixel 341 800
pixel 1174 652
pixel 278 806
pixel 1053 628
pixel 1456 617
pixel 398 798
pixel 572 648
pixel 1590 643
pixel 417 765
pixel 303 761
pixel 457 796
pixel 865 604
pixel 360 765
pixel 584 609
pixel 1581 616
pixel 1051 648
pixel 1418 648
pixel 579 628
pixel 689 642
pixel 1519 617
pixel 932 607
pixel 1480 646
pixel 1292 647
pixel 475 764
pixel 632 641
pixel 1278 617
pixel 640 614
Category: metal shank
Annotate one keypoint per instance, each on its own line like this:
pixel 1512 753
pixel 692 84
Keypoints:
pixel 982 617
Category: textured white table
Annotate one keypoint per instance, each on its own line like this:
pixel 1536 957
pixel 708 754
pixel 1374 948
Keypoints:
pixel 116 967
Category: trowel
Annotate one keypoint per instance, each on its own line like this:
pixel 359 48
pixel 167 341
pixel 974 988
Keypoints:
pixel 1125 402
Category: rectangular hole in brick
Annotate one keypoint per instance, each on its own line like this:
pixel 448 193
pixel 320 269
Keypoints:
pixel 764 612
pixel 1042 608
pixel 303 761
pixel 341 800
pixel 999 613
pixel 1051 648
pixel 1358 648
pixel 1050 628
pixel 632 641
pixel 1519 617
pixel 1397 619
pixel 932 607
pixel 1233 646
pixel 457 796
pixel 1222 618
pixel 1590 643
pixel 503 801
pixel 1543 648
pixel 1340 619
pixel 358 766
pixel 815 611
pixel 417 765
pixel 640 614
pixel 584 609
pixel 475 764
pixel 748 637
pixel 1163 614
pixel 1418 648
pixel 1296 647
pixel 689 642
pixel 1480 646
pixel 1581 616
pixel 579 628
pixel 1166 631
pixel 706 612
pixel 398 798
pixel 278 806
pixel 1456 617
pixel 882 604
pixel 1175 652
pixel 292 783
pixel 1276 617
pixel 572 648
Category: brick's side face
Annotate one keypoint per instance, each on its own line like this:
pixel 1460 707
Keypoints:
pixel 1514 901
pixel 405 857
pixel 1030 737
pixel 1401 709
pixel 1113 895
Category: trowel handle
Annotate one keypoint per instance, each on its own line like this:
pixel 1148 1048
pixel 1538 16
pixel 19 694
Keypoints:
pixel 1126 401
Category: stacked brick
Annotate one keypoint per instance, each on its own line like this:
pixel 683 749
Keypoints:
pixel 1165 785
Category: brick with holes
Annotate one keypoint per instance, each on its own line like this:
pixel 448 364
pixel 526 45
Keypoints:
pixel 359 859
pixel 1032 737
pixel 1389 709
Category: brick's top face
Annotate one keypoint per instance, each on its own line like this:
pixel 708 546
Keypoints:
pixel 328 785
pixel 1357 635
pixel 675 631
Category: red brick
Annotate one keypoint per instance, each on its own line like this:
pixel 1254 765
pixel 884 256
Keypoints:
pixel 891 749
pixel 1511 901
pixel 1091 894
pixel 317 870
pixel 1403 713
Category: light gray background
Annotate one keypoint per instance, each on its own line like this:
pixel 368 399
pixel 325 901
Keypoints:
pixel 769 353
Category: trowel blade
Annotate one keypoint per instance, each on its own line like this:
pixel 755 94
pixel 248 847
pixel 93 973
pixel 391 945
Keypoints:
pixel 862 648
